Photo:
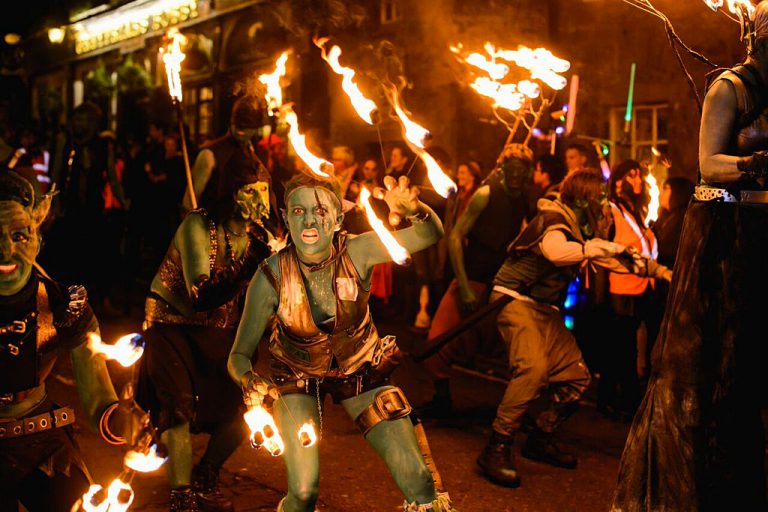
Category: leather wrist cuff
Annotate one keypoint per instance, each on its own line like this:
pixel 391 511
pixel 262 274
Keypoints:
pixel 753 167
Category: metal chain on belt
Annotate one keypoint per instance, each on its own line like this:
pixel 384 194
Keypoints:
pixel 319 406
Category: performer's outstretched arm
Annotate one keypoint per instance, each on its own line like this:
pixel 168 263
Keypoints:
pixel 93 383
pixel 477 203
pixel 260 305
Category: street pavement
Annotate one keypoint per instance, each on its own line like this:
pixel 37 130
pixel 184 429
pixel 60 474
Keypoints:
pixel 354 479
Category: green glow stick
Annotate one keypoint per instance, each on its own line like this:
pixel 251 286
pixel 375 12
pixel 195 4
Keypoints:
pixel 630 95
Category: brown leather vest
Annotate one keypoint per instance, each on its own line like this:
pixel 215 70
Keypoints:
pixel 158 310
pixel 298 342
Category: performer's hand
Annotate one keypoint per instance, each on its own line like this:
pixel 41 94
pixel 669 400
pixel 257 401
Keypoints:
pixel 667 275
pixel 599 248
pixel 258 392
pixel 469 300
pixel 402 199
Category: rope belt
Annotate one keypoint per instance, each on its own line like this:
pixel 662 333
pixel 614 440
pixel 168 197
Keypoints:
pixel 48 420
pixel 705 193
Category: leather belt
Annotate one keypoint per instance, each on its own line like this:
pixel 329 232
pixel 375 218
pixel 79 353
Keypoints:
pixel 34 424
pixel 389 404
pixel 704 193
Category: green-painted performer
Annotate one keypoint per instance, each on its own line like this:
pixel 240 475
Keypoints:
pixel 40 320
pixel 314 293
pixel 191 314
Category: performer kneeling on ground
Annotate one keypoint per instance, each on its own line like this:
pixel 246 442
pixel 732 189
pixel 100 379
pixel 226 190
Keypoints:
pixel 191 314
pixel 324 341
pixel 40 319
pixel 543 354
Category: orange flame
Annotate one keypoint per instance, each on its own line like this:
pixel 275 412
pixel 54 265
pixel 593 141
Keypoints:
pixel 119 496
pixel 654 192
pixel 364 107
pixel 264 430
pixel 416 136
pixel 495 70
pixel 505 96
pixel 144 462
pixel 274 93
pixel 395 250
pixel 307 434
pixel 733 5
pixel 317 165
pixel 126 350
pixel 172 58
pixel 542 64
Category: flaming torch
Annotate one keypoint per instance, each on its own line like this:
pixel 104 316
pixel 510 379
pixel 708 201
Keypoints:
pixel 117 497
pixel 364 107
pixel 395 250
pixel 264 431
pixel 144 462
pixel 126 350
pixel 317 165
pixel 416 137
pixel 307 434
pixel 172 58
pixel 653 189
pixel 274 92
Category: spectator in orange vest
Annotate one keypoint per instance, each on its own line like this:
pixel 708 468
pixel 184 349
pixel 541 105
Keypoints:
pixel 631 297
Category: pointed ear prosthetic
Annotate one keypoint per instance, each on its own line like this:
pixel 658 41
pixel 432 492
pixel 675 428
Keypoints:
pixel 41 209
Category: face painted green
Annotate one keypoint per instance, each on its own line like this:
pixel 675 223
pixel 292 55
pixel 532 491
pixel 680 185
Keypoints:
pixel 313 215
pixel 516 173
pixel 253 201
pixel 19 244
pixel 594 216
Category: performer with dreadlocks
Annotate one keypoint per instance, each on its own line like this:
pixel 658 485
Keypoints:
pixel 697 442
pixel 324 340
pixel 40 320
pixel 191 314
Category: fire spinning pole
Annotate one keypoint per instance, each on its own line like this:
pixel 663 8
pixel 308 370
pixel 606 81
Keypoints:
pixel 172 58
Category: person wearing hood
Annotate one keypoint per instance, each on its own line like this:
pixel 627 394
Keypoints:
pixel 567 234
pixel 191 315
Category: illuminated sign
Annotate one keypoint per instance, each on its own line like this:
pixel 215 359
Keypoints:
pixel 131 20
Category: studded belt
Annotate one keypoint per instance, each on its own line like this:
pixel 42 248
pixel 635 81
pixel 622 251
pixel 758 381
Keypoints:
pixel 34 424
pixel 705 193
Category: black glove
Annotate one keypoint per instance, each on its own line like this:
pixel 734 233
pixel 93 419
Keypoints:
pixel 224 284
pixel 755 166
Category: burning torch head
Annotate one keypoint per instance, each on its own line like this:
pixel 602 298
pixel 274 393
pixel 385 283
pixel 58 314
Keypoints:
pixel 20 219
pixel 584 192
pixel 313 212
pixel 247 118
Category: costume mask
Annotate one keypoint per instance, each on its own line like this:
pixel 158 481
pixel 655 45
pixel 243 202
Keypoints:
pixel 19 242
pixel 313 215
pixel 516 172
pixel 594 216
pixel 253 201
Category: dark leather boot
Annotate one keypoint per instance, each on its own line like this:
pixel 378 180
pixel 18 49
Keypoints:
pixel 183 500
pixel 498 461
pixel 205 482
pixel 540 446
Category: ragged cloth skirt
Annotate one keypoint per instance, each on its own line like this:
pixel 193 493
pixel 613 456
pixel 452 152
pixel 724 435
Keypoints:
pixel 183 377
pixel 697 441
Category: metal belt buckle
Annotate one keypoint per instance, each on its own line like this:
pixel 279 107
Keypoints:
pixel 392 404
pixel 13 349
pixel 19 326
